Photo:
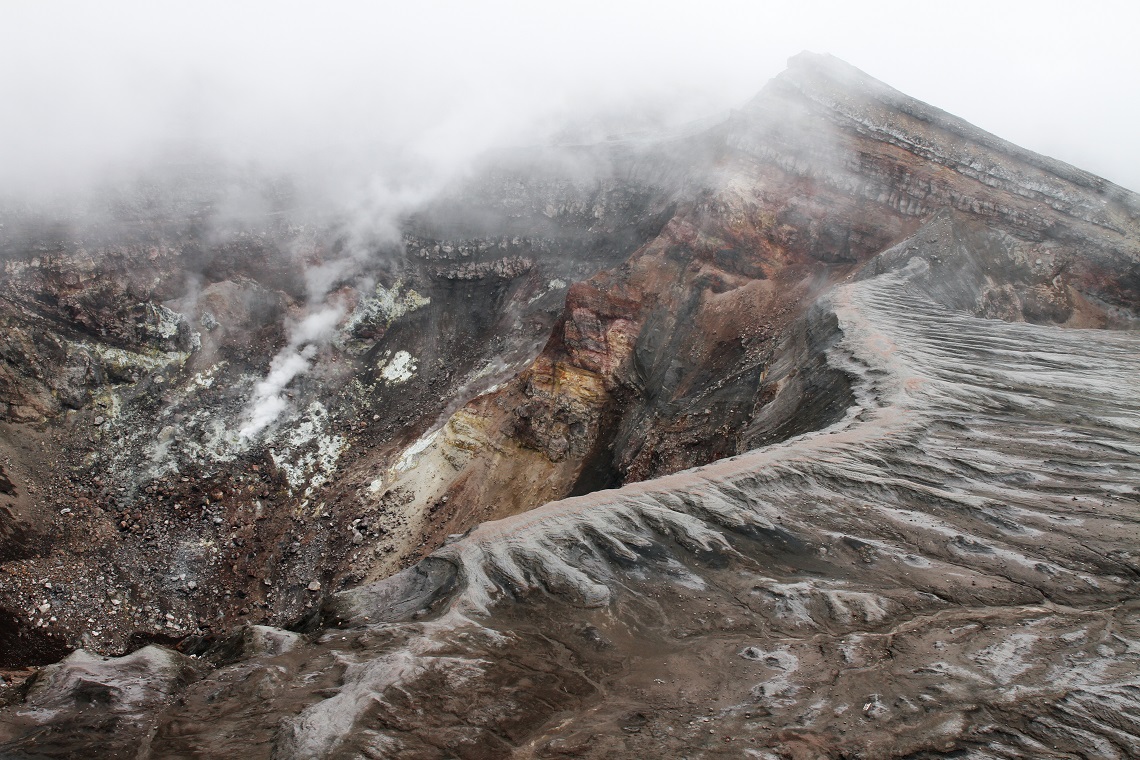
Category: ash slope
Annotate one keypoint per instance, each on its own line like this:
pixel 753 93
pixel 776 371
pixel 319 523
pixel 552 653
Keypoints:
pixel 950 570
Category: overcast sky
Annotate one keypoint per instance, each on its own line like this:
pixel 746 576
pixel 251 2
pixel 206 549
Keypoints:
pixel 90 85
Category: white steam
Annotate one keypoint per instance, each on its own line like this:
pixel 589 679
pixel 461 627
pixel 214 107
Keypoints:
pixel 370 221
pixel 305 340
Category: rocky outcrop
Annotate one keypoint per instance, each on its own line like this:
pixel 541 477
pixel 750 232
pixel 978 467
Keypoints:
pixel 102 696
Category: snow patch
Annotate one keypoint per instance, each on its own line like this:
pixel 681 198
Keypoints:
pixel 555 284
pixel 308 455
pixel 385 306
pixel 397 369
pixel 407 461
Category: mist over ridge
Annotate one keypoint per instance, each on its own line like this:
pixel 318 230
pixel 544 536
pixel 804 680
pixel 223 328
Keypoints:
pixel 400 97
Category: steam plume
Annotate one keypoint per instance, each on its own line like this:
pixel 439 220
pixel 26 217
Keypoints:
pixel 305 340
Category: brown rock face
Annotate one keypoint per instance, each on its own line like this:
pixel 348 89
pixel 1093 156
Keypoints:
pixel 910 532
pixel 666 362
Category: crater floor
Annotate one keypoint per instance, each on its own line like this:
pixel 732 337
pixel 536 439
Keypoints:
pixel 950 569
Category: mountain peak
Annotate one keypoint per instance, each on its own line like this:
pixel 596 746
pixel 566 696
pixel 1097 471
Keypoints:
pixel 825 110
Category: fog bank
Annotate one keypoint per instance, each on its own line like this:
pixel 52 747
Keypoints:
pixel 345 91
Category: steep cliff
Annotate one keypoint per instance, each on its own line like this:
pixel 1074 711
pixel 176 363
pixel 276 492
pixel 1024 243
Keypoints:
pixel 666 362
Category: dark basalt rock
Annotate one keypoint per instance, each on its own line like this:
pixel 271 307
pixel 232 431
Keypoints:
pixel 408 595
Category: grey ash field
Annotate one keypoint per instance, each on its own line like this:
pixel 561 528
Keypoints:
pixel 814 433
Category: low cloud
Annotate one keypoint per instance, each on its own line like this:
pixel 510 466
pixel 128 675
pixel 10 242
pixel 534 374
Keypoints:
pixel 342 92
